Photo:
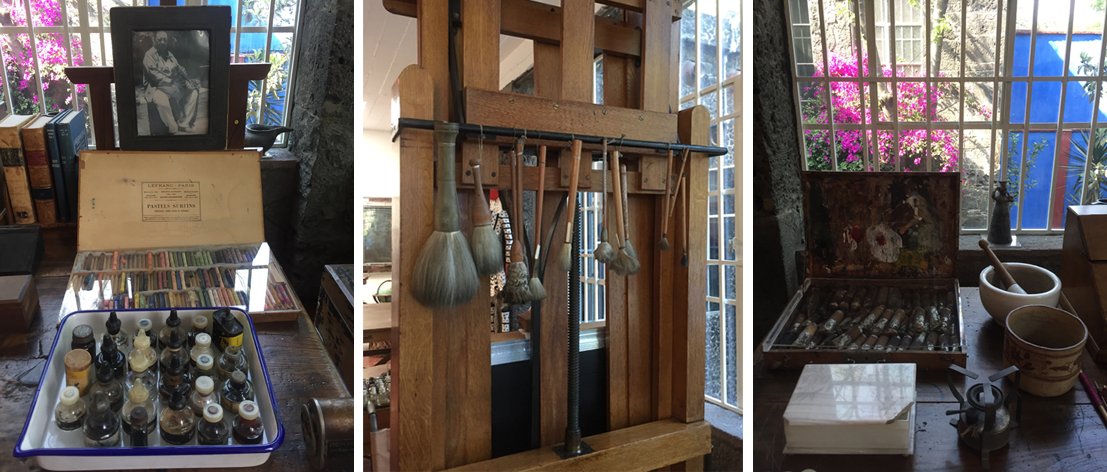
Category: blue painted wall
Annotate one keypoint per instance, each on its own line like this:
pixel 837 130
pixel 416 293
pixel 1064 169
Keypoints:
pixel 1045 101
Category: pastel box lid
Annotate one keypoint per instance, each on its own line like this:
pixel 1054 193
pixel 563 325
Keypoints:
pixel 851 394
pixel 145 199
pixel 882 225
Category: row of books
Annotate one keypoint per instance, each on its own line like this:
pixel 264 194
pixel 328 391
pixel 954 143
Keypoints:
pixel 39 154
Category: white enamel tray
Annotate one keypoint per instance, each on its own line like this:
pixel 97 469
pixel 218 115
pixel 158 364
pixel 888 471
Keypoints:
pixel 54 449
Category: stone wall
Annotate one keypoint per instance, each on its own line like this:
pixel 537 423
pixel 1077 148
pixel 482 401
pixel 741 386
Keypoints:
pixel 323 140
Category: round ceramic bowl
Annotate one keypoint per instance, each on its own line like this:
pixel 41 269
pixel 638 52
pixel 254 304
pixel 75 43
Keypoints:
pixel 1041 286
pixel 1045 343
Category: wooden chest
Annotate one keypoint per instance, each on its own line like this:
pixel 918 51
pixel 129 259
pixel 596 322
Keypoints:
pixel 18 303
pixel 171 230
pixel 876 240
pixel 334 320
pixel 1084 272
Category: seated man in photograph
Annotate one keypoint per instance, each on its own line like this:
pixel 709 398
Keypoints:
pixel 171 86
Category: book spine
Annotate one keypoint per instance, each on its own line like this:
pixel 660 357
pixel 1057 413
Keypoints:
pixel 56 170
pixel 19 188
pixel 38 169
pixel 74 139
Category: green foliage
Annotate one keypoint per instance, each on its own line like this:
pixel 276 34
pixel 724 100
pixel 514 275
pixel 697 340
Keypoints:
pixel 1089 165
pixel 1087 68
pixel 1014 176
pixel 942 27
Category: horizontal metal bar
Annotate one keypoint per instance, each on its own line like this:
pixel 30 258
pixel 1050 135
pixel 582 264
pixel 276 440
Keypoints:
pixel 472 129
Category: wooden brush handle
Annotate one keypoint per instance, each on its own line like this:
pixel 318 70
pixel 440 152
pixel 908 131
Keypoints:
pixel 617 197
pixel 446 216
pixel 538 202
pixel 680 180
pixel 603 173
pixel 1000 270
pixel 482 215
pixel 626 206
pixel 574 179
pixel 684 208
pixel 668 181
pixel 516 210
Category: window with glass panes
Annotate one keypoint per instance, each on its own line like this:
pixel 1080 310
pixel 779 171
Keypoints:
pixel 592 271
pixel 710 75
pixel 80 35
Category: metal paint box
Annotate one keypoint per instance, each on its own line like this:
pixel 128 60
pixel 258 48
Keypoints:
pixel 876 229
pixel 54 449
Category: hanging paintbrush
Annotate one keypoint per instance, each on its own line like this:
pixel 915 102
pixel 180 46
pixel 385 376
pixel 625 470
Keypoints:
pixel 488 254
pixel 680 178
pixel 444 274
pixel 604 253
pixel 566 257
pixel 537 291
pixel 516 281
pixel 622 263
pixel 632 266
pixel 664 244
pixel 684 222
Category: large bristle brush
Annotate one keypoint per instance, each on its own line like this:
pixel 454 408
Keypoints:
pixel 621 263
pixel 565 258
pixel 631 266
pixel 517 279
pixel 488 253
pixel 537 291
pixel 445 274
pixel 604 253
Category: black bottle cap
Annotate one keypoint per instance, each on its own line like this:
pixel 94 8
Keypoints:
pixel 104 374
pixel 138 416
pixel 173 320
pixel 113 324
pixel 175 367
pixel 238 379
pixel 108 347
pixel 177 402
pixel 82 334
pixel 174 340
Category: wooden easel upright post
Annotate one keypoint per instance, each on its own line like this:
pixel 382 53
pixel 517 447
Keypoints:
pixel 441 390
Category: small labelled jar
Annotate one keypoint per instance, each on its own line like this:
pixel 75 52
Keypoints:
pixel 71 411
pixel 78 370
pixel 247 428
pixel 213 430
pixel 84 339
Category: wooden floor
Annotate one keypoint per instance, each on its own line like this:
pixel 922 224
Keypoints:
pixel 298 366
pixel 1056 434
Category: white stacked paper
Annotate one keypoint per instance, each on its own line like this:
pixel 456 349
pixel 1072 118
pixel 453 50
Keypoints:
pixel 852 409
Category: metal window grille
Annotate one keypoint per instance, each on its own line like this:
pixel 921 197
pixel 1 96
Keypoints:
pixel 711 76
pixel 80 34
pixel 1022 104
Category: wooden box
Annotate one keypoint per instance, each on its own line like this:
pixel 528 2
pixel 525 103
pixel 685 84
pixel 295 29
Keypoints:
pixel 870 230
pixel 1084 272
pixel 21 249
pixel 18 303
pixel 171 230
pixel 334 320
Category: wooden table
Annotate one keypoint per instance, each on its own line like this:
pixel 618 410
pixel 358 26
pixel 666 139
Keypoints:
pixel 1056 434
pixel 297 362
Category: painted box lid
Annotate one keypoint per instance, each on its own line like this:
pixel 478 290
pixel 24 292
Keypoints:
pixel 881 224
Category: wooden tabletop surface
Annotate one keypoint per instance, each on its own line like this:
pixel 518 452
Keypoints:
pixel 1056 434
pixel 298 365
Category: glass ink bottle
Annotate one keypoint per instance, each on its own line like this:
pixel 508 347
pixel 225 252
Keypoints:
pixel 174 379
pixel 139 397
pixel 205 367
pixel 199 326
pixel 145 326
pixel 140 427
pixel 140 373
pixel 212 430
pixel 101 425
pixel 178 425
pixel 83 339
pixel 121 338
pixel 70 413
pixel 174 348
pixel 246 428
pixel 231 360
pixel 111 359
pixel 172 324
pixel 143 349
pixel 235 391
pixel 110 387
pixel 203 395
pixel 202 346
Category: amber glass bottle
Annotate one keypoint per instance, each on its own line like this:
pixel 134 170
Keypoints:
pixel 178 425
pixel 213 430
pixel 247 427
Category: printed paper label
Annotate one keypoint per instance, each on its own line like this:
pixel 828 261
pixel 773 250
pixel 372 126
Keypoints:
pixel 170 201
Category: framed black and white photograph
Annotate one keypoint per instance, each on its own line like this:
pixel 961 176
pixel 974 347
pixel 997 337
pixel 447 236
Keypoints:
pixel 172 75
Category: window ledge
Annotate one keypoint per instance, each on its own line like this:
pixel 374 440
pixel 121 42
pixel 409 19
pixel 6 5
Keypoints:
pixel 726 437
pixel 1039 249
pixel 280 158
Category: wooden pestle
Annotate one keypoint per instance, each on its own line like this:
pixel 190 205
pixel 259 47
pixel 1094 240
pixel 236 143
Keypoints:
pixel 1000 270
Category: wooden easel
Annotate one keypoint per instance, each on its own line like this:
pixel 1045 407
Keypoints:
pixel 441 399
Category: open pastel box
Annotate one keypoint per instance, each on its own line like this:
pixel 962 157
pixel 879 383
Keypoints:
pixel 54 449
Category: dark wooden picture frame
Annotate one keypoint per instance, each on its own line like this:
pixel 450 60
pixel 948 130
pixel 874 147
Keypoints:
pixel 171 95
